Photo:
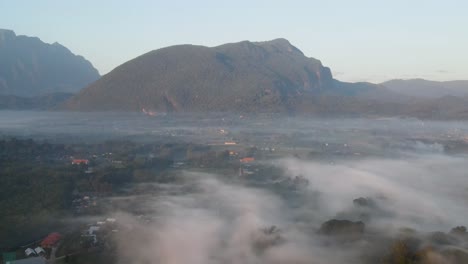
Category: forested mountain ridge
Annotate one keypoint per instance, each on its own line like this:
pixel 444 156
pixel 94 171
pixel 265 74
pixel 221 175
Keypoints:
pixel 251 77
pixel 270 76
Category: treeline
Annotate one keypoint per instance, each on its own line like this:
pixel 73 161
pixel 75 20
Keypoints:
pixel 32 197
pixel 28 150
pixel 38 181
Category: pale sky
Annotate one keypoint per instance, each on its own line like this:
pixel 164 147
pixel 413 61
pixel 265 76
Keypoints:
pixel 361 40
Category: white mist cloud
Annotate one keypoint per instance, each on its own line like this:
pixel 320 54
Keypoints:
pixel 425 192
pixel 213 221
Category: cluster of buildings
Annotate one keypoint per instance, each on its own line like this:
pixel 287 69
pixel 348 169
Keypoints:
pixel 100 160
pixel 36 253
pixel 92 232
pixel 83 203
pixel 43 251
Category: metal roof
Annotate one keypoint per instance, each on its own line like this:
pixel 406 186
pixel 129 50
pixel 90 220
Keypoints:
pixel 36 260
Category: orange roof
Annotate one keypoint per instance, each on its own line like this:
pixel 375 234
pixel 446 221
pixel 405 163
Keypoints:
pixel 247 159
pixel 80 161
pixel 51 240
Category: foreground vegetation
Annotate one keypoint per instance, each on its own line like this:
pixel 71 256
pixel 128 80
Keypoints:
pixel 41 188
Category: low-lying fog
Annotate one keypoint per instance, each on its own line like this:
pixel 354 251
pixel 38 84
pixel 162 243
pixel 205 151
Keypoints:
pixel 201 127
pixel 220 221
pixel 420 187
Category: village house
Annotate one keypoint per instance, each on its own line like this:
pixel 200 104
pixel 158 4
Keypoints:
pixel 247 160
pixel 93 229
pixel 34 252
pixel 29 252
pixel 51 240
pixel 39 251
pixel 80 162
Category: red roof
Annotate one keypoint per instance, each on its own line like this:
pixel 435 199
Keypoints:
pixel 51 240
pixel 80 161
pixel 247 159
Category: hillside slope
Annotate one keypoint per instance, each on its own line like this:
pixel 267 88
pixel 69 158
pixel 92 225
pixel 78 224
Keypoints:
pixel 247 76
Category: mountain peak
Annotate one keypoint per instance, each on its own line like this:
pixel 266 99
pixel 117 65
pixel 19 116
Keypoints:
pixel 280 44
pixel 7 34
pixel 60 69
pixel 247 76
pixel 281 41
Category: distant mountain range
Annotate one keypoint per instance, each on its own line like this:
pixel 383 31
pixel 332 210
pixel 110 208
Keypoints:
pixel 30 67
pixel 252 77
pixel 428 89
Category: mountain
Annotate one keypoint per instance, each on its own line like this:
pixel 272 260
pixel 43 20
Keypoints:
pixel 30 67
pixel 271 76
pixel 428 89
pixel 446 107
pixel 254 77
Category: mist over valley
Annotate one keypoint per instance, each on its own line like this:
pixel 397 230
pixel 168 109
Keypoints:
pixel 225 188
pixel 241 132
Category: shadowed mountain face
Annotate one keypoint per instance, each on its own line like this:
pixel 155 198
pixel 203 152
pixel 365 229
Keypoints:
pixel 271 76
pixel 30 67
